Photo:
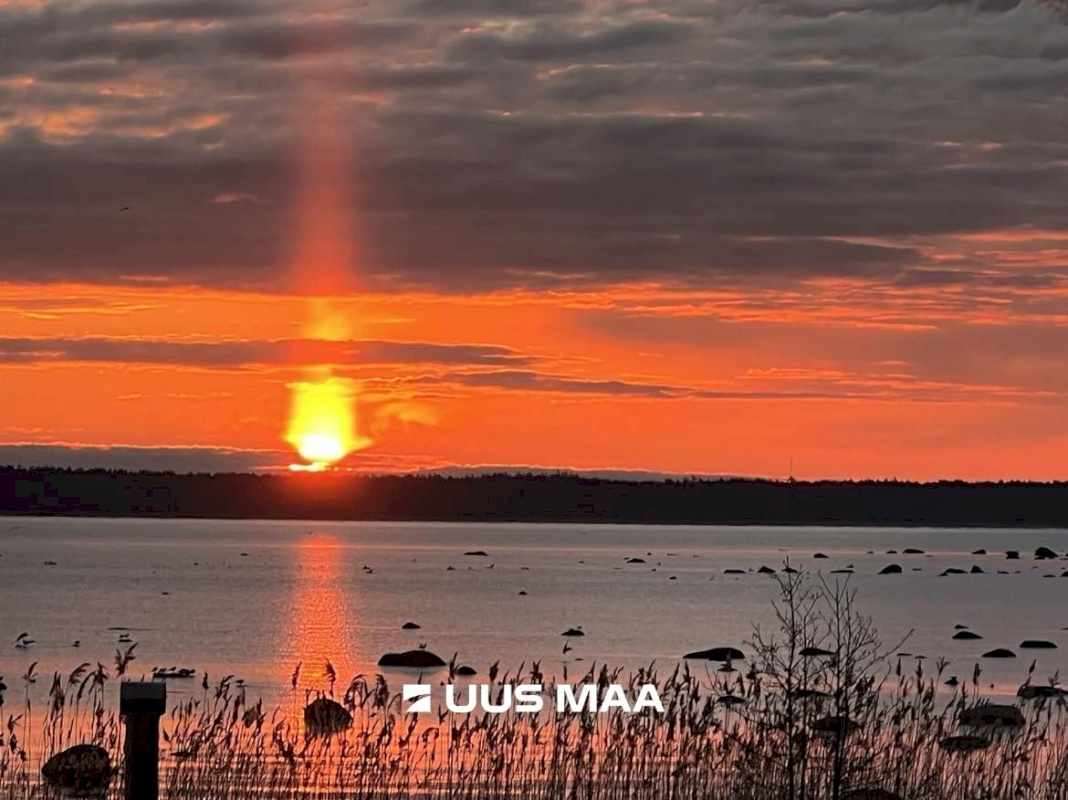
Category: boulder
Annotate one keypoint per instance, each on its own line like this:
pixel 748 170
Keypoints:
pixel 419 659
pixel 814 652
pixel 964 744
pixel 790 570
pixel 979 552
pixel 325 716
pixel 912 551
pixel 635 560
pixel 572 632
pixel 977 570
pixel 717 654
pixel 766 571
pixel 1037 644
pixel 991 715
pixel 819 555
pixel 966 636
pixel 1012 554
pixel 841 572
pixel 734 572
pixel 466 671
pixel 84 769
pixel 999 652
pixel 950 571
pixel 476 553
pixel 411 626
pixel 890 569
pixel 1043 553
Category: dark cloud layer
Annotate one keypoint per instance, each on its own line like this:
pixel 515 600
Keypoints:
pixel 530 143
pixel 230 355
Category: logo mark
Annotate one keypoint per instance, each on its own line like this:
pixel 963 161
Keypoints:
pixel 417 695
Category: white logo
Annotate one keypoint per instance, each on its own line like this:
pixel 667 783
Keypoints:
pixel 419 696
pixel 528 698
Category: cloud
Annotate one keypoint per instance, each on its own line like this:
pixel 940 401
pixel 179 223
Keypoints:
pixel 536 144
pixel 237 354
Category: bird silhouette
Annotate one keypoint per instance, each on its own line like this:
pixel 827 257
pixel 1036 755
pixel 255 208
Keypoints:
pixel 422 645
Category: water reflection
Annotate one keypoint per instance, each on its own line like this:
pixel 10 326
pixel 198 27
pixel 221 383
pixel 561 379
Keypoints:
pixel 319 634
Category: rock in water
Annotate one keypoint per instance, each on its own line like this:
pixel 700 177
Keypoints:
pixel 912 551
pixel 979 552
pixel 421 659
pixel 572 632
pixel 966 635
pixel 466 671
pixel 999 652
pixel 410 626
pixel 84 769
pixel 890 569
pixel 766 571
pixel 1012 554
pixel 1037 644
pixel 1043 553
pixel 964 744
pixel 992 715
pixel 324 717
pixel 1029 692
pixel 482 553
pixel 871 794
pixel 835 726
pixel 717 654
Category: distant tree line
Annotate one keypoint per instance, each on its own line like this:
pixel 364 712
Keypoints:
pixel 560 497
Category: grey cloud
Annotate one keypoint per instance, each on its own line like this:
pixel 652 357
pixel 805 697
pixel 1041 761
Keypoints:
pixel 553 142
pixel 237 354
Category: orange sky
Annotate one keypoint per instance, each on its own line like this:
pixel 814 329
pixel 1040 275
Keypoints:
pixel 593 236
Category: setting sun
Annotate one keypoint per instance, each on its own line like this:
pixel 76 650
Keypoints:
pixel 322 422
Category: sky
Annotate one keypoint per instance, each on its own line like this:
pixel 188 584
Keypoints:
pixel 675 236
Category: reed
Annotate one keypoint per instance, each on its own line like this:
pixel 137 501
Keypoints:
pixel 785 724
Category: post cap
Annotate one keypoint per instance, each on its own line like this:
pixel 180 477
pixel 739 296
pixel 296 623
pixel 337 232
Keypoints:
pixel 142 697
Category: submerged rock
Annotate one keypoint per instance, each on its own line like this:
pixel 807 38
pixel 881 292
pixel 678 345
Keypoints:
pixel 912 551
pixel 573 632
pixel 717 654
pixel 890 569
pixel 635 560
pixel 411 626
pixel 1037 644
pixel 325 716
pixel 466 671
pixel 991 715
pixel 950 571
pixel 476 553
pixel 411 658
pixel 734 572
pixel 1029 692
pixel 966 636
pixel 819 555
pixel 84 769
pixel 979 552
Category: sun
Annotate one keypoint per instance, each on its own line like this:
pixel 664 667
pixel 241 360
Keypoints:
pixel 322 421
pixel 319 448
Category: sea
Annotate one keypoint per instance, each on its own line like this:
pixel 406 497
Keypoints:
pixel 264 601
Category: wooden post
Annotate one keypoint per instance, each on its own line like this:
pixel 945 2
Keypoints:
pixel 141 705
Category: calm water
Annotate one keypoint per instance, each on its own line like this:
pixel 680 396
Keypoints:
pixel 254 599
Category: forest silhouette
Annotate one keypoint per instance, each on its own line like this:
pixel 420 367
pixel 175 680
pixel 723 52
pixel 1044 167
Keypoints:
pixel 532 497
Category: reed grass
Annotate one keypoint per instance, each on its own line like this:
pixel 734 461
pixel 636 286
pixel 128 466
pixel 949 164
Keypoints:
pixel 750 733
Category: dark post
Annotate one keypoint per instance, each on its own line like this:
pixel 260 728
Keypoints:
pixel 141 705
